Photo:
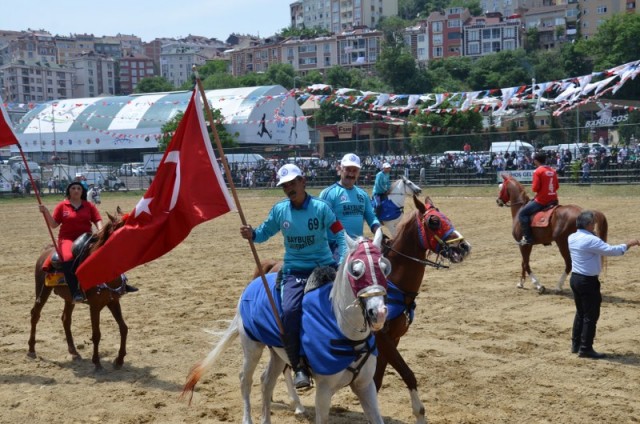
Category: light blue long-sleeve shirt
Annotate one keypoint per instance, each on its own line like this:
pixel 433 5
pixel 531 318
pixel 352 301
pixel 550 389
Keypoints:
pixel 586 250
pixel 382 183
pixel 352 207
pixel 305 233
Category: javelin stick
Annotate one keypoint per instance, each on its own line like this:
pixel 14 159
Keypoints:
pixel 227 171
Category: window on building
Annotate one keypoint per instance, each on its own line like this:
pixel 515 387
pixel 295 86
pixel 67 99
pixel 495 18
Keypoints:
pixel 474 48
pixel 437 40
pixel 454 23
pixel 437 52
pixel 473 35
pixel 436 27
pixel 601 10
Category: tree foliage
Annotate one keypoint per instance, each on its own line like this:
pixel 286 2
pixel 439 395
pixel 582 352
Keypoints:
pixel 153 85
pixel 226 138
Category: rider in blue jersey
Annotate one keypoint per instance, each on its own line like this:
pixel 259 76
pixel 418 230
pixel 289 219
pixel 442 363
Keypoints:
pixel 382 186
pixel 304 222
pixel 350 203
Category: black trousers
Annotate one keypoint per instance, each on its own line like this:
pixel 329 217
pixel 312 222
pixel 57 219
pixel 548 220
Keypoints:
pixel 586 294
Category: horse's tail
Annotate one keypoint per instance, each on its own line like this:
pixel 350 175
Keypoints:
pixel 602 228
pixel 201 367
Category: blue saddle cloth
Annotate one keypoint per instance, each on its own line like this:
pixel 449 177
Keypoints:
pixel 396 305
pixel 389 210
pixel 327 350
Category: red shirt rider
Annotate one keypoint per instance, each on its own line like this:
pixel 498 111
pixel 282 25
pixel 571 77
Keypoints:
pixel 73 223
pixel 545 185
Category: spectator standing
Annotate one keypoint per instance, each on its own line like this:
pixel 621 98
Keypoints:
pixel 382 186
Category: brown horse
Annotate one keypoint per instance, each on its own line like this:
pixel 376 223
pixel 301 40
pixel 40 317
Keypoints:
pixel 561 224
pixel 98 297
pixel 426 230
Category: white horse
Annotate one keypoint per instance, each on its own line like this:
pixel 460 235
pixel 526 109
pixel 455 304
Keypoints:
pixel 357 301
pixel 393 207
pixel 94 195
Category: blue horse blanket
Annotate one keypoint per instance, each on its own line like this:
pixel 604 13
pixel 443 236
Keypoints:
pixel 389 210
pixel 327 350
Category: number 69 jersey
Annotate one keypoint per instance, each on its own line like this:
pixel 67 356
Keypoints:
pixel 305 233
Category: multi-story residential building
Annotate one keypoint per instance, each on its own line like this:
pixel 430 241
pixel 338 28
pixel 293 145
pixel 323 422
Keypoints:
pixel 445 32
pixel 555 24
pixel 176 64
pixel 297 14
pixel 109 47
pixel 340 15
pixel 32 46
pixel 132 69
pixel 95 75
pixel 359 48
pixel 510 7
pixel 26 82
pixel 416 38
pixel 593 14
pixel 491 33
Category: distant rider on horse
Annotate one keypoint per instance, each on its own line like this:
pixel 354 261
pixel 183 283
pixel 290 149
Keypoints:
pixel 545 185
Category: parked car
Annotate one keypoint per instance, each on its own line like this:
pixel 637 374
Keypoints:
pixel 132 168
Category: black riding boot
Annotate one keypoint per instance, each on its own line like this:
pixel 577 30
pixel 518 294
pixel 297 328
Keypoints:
pixel 301 378
pixel 72 282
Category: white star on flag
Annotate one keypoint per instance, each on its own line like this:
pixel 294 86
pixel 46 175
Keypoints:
pixel 143 206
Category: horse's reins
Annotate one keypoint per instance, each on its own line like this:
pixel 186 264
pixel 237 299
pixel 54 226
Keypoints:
pixel 428 262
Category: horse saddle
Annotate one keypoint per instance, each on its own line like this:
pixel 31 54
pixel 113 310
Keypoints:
pixel 53 263
pixel 543 218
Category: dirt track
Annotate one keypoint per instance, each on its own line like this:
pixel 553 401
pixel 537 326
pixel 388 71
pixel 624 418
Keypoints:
pixel 483 351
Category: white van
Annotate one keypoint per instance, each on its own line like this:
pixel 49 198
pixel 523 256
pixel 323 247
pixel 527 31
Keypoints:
pixel 517 146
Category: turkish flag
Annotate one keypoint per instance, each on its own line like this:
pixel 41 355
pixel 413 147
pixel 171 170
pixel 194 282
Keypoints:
pixel 7 136
pixel 188 189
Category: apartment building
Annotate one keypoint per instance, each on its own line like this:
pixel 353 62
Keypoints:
pixel 555 24
pixel 176 63
pixel 132 69
pixel 359 48
pixel 491 33
pixel 94 75
pixel 31 46
pixel 340 15
pixel 26 82
pixel 593 14
pixel 416 38
pixel 445 31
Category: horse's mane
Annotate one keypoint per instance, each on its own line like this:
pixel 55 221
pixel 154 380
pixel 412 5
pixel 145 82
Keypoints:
pixel 101 237
pixel 409 221
pixel 521 190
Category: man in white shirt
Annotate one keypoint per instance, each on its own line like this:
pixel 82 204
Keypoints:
pixel 586 257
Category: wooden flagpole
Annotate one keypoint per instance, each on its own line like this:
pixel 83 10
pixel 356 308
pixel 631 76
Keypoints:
pixel 35 191
pixel 227 171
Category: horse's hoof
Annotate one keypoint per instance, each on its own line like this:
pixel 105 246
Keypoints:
pixel 520 285
pixel 31 355
pixel 541 290
pixel 117 364
pixel 76 357
pixel 98 369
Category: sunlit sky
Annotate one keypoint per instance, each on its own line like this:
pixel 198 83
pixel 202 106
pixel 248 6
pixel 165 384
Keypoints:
pixel 150 19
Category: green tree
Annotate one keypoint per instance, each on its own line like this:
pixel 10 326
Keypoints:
pixel 227 139
pixel 153 85
pixel 616 41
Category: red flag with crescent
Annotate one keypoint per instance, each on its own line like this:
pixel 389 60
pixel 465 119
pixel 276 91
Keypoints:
pixel 187 190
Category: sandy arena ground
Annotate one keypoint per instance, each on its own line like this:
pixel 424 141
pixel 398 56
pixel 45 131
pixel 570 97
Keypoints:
pixel 483 351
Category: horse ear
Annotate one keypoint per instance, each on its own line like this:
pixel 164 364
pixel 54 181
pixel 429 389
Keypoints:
pixel 351 243
pixel 111 218
pixel 419 204
pixel 377 238
pixel 504 176
pixel 119 211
